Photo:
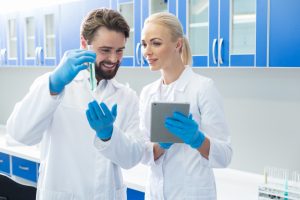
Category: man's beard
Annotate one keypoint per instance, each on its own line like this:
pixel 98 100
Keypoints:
pixel 105 74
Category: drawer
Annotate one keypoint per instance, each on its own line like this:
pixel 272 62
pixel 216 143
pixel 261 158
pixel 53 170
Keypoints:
pixel 4 163
pixel 135 195
pixel 24 168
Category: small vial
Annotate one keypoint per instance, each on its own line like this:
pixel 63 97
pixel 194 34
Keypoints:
pixel 93 81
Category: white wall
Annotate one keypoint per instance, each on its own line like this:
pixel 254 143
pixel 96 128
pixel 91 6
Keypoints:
pixel 262 107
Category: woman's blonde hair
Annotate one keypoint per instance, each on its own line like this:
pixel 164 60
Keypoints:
pixel 174 26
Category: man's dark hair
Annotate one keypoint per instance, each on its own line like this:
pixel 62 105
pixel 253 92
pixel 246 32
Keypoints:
pixel 108 18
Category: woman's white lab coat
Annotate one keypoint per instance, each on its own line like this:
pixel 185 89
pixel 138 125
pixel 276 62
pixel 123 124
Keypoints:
pixel 181 172
pixel 75 164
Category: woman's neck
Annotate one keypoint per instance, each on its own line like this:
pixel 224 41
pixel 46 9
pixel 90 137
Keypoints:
pixel 172 73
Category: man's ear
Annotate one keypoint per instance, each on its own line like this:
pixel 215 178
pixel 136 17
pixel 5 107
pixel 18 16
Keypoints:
pixel 83 42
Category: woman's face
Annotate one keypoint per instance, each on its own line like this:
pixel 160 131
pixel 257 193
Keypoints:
pixel 157 46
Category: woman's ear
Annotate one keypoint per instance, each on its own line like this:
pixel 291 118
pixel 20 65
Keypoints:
pixel 83 43
pixel 179 44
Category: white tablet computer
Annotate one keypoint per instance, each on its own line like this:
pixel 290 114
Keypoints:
pixel 159 112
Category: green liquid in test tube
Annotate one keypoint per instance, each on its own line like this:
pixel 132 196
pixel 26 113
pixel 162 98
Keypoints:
pixel 93 81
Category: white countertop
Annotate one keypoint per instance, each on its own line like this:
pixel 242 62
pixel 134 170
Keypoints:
pixel 231 184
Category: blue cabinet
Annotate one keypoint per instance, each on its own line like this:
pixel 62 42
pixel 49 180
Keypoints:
pixel 4 163
pixel 284 40
pixel 70 25
pixel 31 37
pixel 24 168
pixel 135 195
pixel 222 32
pixel 135 12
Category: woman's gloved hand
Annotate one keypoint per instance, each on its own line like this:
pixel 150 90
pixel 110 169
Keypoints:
pixel 186 129
pixel 101 119
pixel 70 65
pixel 165 145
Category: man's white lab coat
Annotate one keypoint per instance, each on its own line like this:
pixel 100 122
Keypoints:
pixel 75 164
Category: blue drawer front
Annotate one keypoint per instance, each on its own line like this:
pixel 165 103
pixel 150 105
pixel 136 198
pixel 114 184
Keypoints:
pixel 135 195
pixel 4 163
pixel 24 169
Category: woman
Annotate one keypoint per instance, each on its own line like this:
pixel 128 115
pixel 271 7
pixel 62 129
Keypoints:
pixel 181 171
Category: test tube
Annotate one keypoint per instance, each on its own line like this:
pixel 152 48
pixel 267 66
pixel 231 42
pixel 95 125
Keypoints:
pixel 93 81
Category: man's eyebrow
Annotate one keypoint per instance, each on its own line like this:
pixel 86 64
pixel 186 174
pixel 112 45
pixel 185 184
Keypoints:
pixel 108 47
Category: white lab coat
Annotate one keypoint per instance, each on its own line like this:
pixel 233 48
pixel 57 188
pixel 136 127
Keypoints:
pixel 75 164
pixel 181 172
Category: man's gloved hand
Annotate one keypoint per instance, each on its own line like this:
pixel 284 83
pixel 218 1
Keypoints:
pixel 101 119
pixel 186 129
pixel 70 65
pixel 165 145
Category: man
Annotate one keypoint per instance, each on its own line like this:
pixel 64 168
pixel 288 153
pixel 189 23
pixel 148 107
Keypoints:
pixel 86 136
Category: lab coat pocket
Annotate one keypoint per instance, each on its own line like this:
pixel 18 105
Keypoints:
pixel 43 194
pixel 121 193
pixel 199 188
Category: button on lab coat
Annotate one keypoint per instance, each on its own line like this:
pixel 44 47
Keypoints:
pixel 181 172
pixel 75 164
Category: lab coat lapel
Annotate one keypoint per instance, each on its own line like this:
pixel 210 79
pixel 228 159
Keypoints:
pixel 181 85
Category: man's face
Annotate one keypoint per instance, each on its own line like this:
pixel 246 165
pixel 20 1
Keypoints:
pixel 109 46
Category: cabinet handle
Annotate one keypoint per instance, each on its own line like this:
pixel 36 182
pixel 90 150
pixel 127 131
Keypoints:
pixel 39 54
pixel 220 51
pixel 37 60
pixel 23 168
pixel 213 51
pixel 3 58
pixel 138 45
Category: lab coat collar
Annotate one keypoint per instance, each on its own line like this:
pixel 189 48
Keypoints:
pixel 85 74
pixel 181 82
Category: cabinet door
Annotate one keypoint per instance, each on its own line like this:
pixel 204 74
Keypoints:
pixel 243 32
pixel 29 36
pixel 4 163
pixel 12 39
pixel 135 195
pixel 24 168
pixel 126 8
pixel 196 27
pixel 3 50
pixel 50 37
pixel 284 46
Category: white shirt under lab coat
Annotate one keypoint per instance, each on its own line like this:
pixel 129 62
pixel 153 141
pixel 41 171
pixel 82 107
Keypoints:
pixel 182 172
pixel 75 164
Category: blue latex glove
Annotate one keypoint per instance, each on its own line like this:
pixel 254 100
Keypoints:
pixel 101 119
pixel 70 65
pixel 165 145
pixel 186 129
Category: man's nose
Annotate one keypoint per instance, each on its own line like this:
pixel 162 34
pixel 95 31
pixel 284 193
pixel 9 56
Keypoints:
pixel 113 57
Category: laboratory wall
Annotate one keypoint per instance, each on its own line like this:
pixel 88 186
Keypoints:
pixel 262 106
